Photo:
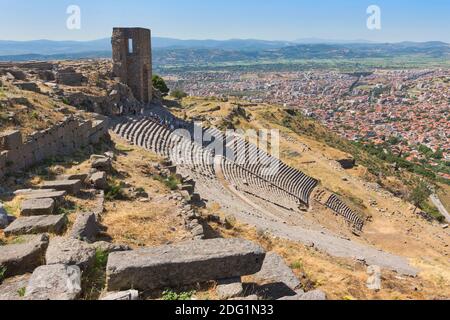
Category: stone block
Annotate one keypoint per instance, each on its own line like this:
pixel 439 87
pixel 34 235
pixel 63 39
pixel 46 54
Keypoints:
pixel 10 140
pixel 24 257
pixel 85 228
pixel 37 224
pixel 182 264
pixel 275 270
pixel 70 251
pixel 72 187
pixel 229 288
pixel 54 282
pixel 37 207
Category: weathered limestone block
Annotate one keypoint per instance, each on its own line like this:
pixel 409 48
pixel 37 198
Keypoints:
pixel 102 164
pixel 37 224
pixel 70 252
pixel 10 140
pixel 184 263
pixel 57 196
pixel 54 282
pixel 374 280
pixel 85 228
pixel 122 296
pixel 275 270
pixel 98 180
pixel 229 288
pixel 37 207
pixel 28 192
pixel 23 258
pixel 10 288
pixel 72 187
pixel 69 77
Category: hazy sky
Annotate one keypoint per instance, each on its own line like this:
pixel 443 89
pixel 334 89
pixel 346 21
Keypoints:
pixel 415 20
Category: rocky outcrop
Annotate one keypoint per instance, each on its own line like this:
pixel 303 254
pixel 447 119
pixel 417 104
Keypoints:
pixel 184 263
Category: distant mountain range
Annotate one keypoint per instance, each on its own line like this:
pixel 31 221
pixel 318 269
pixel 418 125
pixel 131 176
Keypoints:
pixel 191 51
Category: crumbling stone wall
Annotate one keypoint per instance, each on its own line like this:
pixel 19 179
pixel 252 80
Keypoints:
pixel 62 139
pixel 132 58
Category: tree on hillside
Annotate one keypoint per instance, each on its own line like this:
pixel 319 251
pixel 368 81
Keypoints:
pixel 419 194
pixel 178 94
pixel 160 84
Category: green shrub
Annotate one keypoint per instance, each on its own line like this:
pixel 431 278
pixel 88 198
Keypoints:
pixel 95 279
pixel 115 192
pixel 160 84
pixel 21 292
pixel 170 182
pixel 178 94
pixel 297 265
pixel 170 295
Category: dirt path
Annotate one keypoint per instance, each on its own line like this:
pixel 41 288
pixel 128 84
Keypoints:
pixel 437 202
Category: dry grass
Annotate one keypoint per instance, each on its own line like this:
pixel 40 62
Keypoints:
pixel 138 223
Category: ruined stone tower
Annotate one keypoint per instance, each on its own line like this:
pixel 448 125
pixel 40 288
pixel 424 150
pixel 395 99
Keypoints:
pixel 132 58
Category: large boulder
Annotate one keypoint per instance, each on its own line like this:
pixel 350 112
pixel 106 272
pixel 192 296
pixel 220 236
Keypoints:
pixel 37 224
pixel 22 258
pixel 54 282
pixel 181 264
pixel 37 207
pixel 70 251
pixel 86 227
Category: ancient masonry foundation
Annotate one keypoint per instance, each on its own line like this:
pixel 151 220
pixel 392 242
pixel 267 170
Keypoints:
pixel 62 139
pixel 132 59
